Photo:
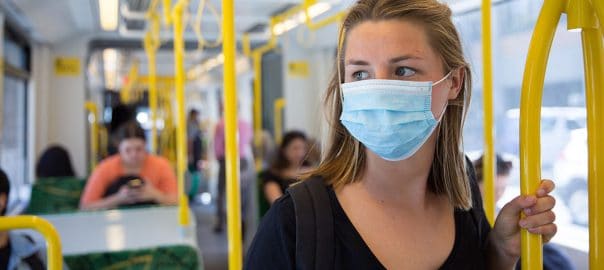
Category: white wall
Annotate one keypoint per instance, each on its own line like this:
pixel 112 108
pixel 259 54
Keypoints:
pixel 59 101
pixel 303 110
pixel 38 105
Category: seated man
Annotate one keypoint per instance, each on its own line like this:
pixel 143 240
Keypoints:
pixel 17 251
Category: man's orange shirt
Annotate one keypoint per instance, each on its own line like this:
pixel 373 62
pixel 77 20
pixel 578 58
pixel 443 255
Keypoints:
pixel 156 171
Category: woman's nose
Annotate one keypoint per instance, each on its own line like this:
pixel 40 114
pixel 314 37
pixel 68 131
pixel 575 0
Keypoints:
pixel 382 73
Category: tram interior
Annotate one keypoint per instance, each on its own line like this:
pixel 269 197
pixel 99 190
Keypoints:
pixel 67 65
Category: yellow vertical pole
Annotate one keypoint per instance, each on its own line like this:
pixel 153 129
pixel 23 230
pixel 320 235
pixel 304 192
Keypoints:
pixel 530 120
pixel 488 160
pixel 278 113
pixel 257 62
pixel 593 53
pixel 167 6
pixel 232 153
pixel 44 227
pixel 150 50
pixel 181 140
pixel 598 6
pixel 93 113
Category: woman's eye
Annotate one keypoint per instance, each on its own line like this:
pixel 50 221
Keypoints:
pixel 360 75
pixel 404 71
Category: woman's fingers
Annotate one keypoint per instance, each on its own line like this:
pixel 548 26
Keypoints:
pixel 543 204
pixel 547 232
pixel 537 220
pixel 545 188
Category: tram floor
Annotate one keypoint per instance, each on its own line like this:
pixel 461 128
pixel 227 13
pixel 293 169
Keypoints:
pixel 213 246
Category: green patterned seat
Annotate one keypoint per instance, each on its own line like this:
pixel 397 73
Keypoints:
pixel 55 195
pixel 178 257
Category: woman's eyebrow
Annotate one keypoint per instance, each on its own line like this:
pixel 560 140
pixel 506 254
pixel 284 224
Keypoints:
pixel 403 58
pixel 355 62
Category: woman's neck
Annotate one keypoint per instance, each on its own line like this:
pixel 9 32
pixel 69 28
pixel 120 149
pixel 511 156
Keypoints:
pixel 399 182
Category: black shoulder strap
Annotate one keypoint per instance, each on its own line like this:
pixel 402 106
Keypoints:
pixel 33 260
pixel 314 225
pixel 477 207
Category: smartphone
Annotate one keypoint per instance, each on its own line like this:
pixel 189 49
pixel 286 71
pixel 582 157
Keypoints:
pixel 135 183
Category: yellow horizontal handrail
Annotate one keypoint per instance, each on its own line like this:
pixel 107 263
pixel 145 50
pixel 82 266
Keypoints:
pixel 55 261
pixel 338 17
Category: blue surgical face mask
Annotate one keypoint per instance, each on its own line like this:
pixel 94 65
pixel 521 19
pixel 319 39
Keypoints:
pixel 392 118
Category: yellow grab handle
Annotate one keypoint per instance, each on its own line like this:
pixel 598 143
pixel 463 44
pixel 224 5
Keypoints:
pixel 55 261
pixel 530 113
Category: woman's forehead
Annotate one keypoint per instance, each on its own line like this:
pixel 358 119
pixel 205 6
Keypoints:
pixel 388 39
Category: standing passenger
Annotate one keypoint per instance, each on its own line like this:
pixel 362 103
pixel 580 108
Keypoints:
pixel 245 141
pixel 394 178
pixel 195 150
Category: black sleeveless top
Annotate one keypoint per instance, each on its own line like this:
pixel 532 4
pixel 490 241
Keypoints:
pixel 274 244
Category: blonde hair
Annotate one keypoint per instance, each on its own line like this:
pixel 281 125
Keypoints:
pixel 344 158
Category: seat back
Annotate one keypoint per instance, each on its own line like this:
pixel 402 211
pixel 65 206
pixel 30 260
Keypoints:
pixel 181 257
pixel 55 195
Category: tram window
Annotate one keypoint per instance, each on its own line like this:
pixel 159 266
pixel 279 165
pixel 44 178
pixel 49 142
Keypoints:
pixel 13 148
pixel 13 137
pixel 563 147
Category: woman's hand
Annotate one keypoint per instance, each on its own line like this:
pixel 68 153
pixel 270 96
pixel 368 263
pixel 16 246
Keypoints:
pixel 538 219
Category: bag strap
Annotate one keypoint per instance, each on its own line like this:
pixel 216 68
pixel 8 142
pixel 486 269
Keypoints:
pixel 33 260
pixel 314 225
pixel 477 207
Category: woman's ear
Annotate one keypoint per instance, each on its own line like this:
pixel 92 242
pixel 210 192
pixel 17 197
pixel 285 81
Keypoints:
pixel 457 81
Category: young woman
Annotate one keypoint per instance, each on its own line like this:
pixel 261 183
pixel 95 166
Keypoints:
pixel 155 178
pixel 399 186
pixel 288 166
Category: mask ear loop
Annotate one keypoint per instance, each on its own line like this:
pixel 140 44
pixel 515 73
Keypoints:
pixel 443 79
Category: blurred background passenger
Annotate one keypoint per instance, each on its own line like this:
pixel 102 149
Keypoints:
pixel 195 149
pixel 287 166
pixel 195 152
pixel 17 251
pixel 245 146
pixel 140 177
pixel 553 257
pixel 54 162
pixel 120 114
